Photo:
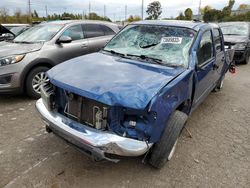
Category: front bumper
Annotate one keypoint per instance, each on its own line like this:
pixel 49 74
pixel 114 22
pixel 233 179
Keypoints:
pixel 93 142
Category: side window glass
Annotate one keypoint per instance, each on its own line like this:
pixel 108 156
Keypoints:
pixel 217 40
pixel 75 32
pixel 93 30
pixel 205 50
pixel 107 30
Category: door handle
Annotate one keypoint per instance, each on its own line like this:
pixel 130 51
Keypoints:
pixel 84 45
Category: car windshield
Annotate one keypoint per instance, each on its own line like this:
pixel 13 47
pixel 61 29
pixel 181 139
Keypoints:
pixel 18 30
pixel 39 33
pixel 166 45
pixel 235 29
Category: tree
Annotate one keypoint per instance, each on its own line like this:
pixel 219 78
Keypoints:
pixel 35 14
pixel 227 10
pixel 4 14
pixel 181 16
pixel 243 7
pixel 154 10
pixel 188 14
pixel 132 18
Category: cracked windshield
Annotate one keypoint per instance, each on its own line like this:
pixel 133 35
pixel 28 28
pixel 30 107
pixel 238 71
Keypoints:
pixel 170 45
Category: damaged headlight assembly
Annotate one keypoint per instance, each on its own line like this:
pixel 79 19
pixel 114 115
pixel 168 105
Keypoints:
pixel 11 59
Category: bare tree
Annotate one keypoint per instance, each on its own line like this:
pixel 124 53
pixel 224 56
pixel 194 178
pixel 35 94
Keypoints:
pixel 4 12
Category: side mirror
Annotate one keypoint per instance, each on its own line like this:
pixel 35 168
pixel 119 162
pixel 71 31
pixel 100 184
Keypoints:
pixel 8 36
pixel 64 39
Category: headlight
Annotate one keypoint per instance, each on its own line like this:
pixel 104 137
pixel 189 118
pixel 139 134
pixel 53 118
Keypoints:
pixel 11 60
pixel 240 46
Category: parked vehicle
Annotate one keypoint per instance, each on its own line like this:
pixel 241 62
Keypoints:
pixel 237 36
pixel 10 31
pixel 134 97
pixel 24 61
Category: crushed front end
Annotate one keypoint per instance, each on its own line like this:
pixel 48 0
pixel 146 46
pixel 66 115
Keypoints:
pixel 95 128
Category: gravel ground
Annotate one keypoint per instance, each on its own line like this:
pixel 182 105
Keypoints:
pixel 217 155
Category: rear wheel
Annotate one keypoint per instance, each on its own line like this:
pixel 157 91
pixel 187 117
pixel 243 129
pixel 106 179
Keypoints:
pixel 164 150
pixel 247 58
pixel 36 78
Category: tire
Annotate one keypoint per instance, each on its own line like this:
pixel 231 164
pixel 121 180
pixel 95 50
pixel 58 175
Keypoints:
pixel 32 79
pixel 163 150
pixel 247 60
pixel 219 85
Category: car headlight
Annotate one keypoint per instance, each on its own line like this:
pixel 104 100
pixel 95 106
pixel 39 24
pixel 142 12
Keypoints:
pixel 11 60
pixel 240 46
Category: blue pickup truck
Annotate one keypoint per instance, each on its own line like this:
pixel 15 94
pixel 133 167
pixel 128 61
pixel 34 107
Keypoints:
pixel 133 97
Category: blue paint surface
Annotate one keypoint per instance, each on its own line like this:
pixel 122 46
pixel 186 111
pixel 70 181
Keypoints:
pixel 112 80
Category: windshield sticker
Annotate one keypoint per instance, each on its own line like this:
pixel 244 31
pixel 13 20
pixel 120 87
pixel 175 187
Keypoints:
pixel 171 40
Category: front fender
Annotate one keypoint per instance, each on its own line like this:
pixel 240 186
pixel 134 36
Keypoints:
pixel 176 93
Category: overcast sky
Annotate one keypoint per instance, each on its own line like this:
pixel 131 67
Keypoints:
pixel 115 9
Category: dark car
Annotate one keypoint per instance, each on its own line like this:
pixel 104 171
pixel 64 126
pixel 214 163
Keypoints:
pixel 24 61
pixel 237 36
pixel 134 97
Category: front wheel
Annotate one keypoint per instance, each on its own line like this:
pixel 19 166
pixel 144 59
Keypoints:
pixel 164 150
pixel 36 78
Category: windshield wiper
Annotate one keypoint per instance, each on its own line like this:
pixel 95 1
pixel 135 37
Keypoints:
pixel 23 42
pixel 144 57
pixel 116 53
pixel 231 34
pixel 150 45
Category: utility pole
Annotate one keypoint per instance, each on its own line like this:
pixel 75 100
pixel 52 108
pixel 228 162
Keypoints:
pixel 89 9
pixel 29 5
pixel 126 9
pixel 104 11
pixel 46 10
pixel 199 11
pixel 142 9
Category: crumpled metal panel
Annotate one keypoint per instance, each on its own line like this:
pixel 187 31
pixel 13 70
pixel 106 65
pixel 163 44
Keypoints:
pixel 113 80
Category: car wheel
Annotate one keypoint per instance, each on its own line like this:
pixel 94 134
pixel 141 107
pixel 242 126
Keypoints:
pixel 247 59
pixel 36 78
pixel 219 85
pixel 164 150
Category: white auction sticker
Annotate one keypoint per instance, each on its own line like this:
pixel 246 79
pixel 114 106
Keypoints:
pixel 171 40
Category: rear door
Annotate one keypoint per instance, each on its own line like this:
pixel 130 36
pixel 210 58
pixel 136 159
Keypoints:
pixel 78 46
pixel 98 35
pixel 219 54
pixel 205 67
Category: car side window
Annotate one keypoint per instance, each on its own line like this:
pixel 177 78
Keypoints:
pixel 218 40
pixel 75 32
pixel 107 30
pixel 205 49
pixel 93 30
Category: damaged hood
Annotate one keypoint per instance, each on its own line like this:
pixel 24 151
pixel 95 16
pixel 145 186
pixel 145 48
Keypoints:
pixel 113 80
pixel 11 48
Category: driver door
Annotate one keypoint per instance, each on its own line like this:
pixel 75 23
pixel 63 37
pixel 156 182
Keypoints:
pixel 204 67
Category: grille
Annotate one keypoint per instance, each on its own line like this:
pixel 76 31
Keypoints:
pixel 86 111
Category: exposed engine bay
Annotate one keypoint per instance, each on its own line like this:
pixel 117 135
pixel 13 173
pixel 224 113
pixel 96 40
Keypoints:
pixel 86 111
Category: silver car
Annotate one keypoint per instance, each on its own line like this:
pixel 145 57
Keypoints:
pixel 24 61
